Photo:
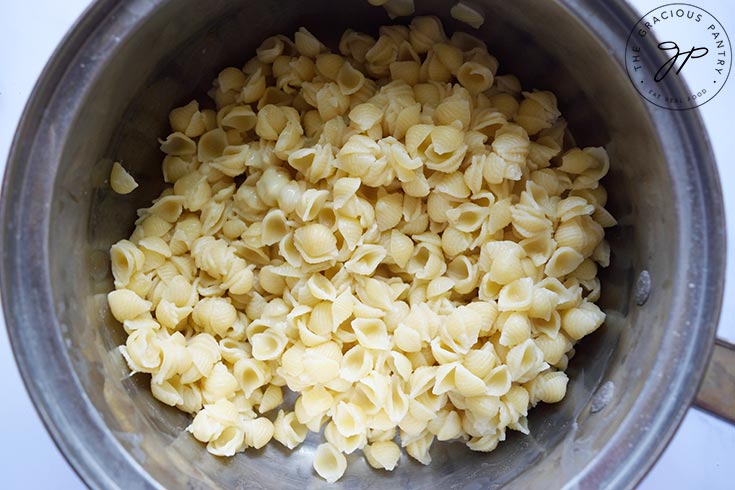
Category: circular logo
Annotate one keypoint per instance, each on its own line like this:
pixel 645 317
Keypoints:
pixel 678 40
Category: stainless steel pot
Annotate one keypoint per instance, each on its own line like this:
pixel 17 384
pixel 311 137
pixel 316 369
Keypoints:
pixel 107 91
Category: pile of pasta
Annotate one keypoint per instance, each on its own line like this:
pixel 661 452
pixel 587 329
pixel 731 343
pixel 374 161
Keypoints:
pixel 393 234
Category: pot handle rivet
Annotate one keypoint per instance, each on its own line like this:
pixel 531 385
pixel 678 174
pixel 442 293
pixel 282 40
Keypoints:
pixel 642 287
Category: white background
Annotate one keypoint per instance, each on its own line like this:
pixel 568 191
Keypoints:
pixel 702 454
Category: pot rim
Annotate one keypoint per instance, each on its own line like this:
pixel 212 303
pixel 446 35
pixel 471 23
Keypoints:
pixel 95 454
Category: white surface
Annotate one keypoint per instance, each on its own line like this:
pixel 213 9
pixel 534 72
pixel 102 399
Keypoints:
pixel 700 456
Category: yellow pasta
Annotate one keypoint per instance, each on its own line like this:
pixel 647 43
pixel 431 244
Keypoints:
pixel 121 181
pixel 126 305
pixel 392 231
pixel 329 463
pixel 468 14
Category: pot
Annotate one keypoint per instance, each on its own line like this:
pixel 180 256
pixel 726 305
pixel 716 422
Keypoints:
pixel 107 91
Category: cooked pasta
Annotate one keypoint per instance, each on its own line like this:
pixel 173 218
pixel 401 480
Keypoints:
pixel 121 181
pixel 329 462
pixel 468 14
pixel 393 235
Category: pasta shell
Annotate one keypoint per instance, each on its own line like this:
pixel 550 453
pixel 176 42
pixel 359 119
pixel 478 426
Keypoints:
pixel 551 387
pixel 549 326
pixel 321 287
pixel 537 111
pixel 449 55
pixel 475 77
pixel 437 206
pixel 329 463
pixel 468 14
pixel 438 287
pixel 382 455
pixel 169 315
pixel 356 363
pixel 371 333
pixel 389 211
pixel 126 305
pixel 268 345
pixel 467 383
pixel 538 248
pixel 349 419
pixel 178 144
pixel 498 381
pixel 425 32
pixel 455 242
pixel 215 315
pixel 314 402
pixel 328 65
pixel 480 361
pixel 452 185
pixel 287 430
pixel 126 260
pixel 582 320
pixel 231 79
pixel 525 361
pixel 444 354
pixel 365 116
pixel 517 400
pixel 320 320
pixel 343 189
pixel 220 383
pixel 121 181
pixel 603 217
pixel 553 348
pixel 407 339
pixel 315 243
pixel 365 259
pixel 516 296
pixel 351 230
pixel 342 307
pixel 275 227
pixel 211 145
pixel 462 271
pixel 307 44
pixel 563 261
pixel 601 253
pixel 515 330
pixel 467 217
pixel 257 432
pixel 155 226
pixel 187 119
pixel 349 79
pixel 572 234
pixel 419 447
pixel 446 426
pixel 426 263
pixel 446 139
pixel 142 350
pixel 319 369
pixel 250 374
pixel 543 303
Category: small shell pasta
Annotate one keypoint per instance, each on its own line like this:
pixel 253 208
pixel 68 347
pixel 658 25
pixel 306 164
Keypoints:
pixel 329 463
pixel 126 305
pixel 257 432
pixel 549 387
pixel 121 181
pixel 382 454
pixel 475 77
pixel 468 14
pixel 388 244
pixel 287 430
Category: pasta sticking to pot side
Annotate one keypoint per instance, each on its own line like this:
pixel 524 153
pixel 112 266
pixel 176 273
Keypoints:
pixel 391 231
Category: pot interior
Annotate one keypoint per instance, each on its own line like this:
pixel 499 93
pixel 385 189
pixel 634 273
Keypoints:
pixel 171 56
